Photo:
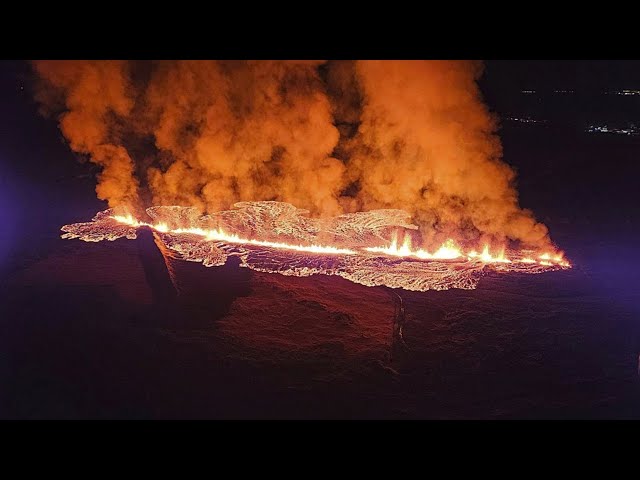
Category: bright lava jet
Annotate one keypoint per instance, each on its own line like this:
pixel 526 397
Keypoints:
pixel 370 248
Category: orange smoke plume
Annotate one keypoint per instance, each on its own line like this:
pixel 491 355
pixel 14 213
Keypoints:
pixel 328 137
pixel 427 143
pixel 94 96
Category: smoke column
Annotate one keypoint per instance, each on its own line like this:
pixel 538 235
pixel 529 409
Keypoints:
pixel 426 143
pixel 328 137
pixel 92 96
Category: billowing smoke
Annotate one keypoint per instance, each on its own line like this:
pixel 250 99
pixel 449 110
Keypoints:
pixel 92 97
pixel 426 142
pixel 329 137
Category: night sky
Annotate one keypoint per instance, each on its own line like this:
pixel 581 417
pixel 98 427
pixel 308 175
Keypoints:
pixel 583 75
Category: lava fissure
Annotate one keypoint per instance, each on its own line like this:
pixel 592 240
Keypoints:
pixel 300 246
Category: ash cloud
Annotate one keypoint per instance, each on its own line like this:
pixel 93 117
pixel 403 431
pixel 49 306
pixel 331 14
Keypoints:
pixel 328 137
pixel 89 99
pixel 426 141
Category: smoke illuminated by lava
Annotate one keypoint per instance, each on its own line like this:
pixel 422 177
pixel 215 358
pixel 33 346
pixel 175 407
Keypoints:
pixel 329 137
pixel 279 238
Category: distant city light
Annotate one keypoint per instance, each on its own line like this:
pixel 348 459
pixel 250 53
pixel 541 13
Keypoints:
pixel 524 120
pixel 629 130
pixel 624 92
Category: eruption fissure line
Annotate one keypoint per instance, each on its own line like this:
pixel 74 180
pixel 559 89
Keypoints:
pixel 220 236
pixel 448 251
pixel 345 246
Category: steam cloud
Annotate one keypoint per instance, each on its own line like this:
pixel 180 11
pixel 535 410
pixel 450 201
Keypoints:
pixel 329 137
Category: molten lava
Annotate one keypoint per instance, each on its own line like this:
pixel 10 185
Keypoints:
pixel 221 236
pixel 283 240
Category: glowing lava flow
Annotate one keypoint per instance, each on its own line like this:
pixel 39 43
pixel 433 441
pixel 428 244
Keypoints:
pixel 447 251
pixel 486 257
pixel 280 238
pixel 450 251
pixel 220 236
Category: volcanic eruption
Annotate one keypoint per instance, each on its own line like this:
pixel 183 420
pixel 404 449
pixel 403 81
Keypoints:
pixel 381 172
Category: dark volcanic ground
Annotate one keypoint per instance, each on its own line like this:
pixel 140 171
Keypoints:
pixel 97 331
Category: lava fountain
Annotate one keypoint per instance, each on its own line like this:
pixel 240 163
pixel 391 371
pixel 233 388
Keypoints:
pixel 369 248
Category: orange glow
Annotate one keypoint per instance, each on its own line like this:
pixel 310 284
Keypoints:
pixel 221 236
pixel 486 256
pixel 346 246
pixel 449 250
